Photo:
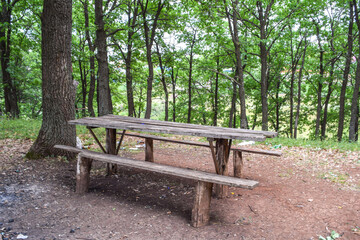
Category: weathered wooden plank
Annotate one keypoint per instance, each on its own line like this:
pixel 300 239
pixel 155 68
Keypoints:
pixel 257 151
pixel 68 148
pixel 201 211
pixel 164 139
pixel 171 170
pixel 210 132
pixel 184 125
pixel 199 144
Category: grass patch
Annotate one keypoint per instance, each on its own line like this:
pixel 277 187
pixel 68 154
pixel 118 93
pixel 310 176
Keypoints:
pixel 19 128
pixel 301 142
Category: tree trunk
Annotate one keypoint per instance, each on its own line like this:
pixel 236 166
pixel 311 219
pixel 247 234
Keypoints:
pixel 162 79
pixel 346 74
pixel 233 105
pixel 190 81
pixel 173 83
pixel 263 17
pixel 149 40
pixel 104 97
pixel 129 83
pixel 58 92
pixel 91 59
pixel 10 91
pixel 299 92
pixel 239 72
pixel 216 100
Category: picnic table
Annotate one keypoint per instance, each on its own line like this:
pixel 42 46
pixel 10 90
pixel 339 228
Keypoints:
pixel 219 141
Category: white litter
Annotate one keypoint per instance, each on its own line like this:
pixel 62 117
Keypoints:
pixel 244 143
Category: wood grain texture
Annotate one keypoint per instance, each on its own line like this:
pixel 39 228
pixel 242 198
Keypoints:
pixel 238 164
pixel 200 215
pixel 149 150
pixel 199 144
pixel 155 126
pixel 171 170
pixel 83 174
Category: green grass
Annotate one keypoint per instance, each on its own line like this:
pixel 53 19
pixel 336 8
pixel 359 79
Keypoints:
pixel 19 128
pixel 326 144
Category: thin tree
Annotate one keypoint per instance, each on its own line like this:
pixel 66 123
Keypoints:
pixel 355 99
pixel 10 91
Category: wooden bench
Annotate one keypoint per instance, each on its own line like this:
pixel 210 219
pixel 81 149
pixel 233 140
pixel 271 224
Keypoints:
pixel 201 209
pixel 237 151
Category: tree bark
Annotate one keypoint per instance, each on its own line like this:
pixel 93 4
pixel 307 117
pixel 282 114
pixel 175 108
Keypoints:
pixel 190 77
pixel 346 73
pixel 162 79
pixel 104 97
pixel 149 40
pixel 320 84
pixel 173 84
pixel 297 116
pixel 91 60
pixel 239 72
pixel 10 91
pixel 216 98
pixel 355 97
pixel 58 92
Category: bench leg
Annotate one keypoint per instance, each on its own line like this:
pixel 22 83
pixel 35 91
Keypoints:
pixel 201 210
pixel 83 174
pixel 238 164
pixel 149 150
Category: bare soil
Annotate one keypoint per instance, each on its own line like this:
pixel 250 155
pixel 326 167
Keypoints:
pixel 302 195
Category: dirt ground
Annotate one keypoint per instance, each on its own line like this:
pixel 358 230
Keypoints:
pixel 302 195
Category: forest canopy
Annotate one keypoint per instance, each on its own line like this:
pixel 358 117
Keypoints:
pixel 286 66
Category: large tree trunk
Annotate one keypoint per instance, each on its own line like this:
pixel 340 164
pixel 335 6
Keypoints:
pixel 10 92
pixel 92 60
pixel 58 92
pixel 104 97
pixel 346 74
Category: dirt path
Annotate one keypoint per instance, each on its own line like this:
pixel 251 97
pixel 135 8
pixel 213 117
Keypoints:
pixel 304 194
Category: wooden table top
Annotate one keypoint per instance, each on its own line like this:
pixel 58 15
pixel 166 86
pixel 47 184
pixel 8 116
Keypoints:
pixel 157 126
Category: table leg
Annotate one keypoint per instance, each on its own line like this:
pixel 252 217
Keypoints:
pixel 238 164
pixel 222 156
pixel 149 150
pixel 110 149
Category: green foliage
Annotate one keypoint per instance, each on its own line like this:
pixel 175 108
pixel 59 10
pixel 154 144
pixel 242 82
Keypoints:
pixel 334 235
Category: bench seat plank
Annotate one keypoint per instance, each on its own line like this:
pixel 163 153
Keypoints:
pixel 171 170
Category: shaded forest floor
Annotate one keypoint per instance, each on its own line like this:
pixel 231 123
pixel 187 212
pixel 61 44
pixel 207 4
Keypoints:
pixel 302 195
